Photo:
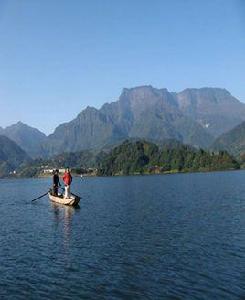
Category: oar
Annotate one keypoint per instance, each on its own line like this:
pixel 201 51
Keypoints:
pixel 39 197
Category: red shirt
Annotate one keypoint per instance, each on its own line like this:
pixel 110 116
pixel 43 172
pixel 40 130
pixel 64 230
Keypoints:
pixel 67 178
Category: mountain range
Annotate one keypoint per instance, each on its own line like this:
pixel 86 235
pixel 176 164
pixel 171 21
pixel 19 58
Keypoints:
pixel 142 112
pixel 193 116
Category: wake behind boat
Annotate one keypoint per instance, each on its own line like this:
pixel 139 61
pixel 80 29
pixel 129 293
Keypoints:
pixel 73 200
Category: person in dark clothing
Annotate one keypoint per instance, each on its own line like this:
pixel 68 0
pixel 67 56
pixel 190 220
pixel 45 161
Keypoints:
pixel 56 182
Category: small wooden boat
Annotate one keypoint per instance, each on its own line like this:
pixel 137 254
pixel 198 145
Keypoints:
pixel 72 201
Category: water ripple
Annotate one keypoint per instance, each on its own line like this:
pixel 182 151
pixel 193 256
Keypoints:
pixel 145 237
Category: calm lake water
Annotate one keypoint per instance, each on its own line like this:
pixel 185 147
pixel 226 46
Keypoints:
pixel 144 237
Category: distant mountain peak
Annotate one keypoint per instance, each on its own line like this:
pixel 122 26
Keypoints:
pixel 11 156
pixel 207 88
pixel 143 88
pixel 140 112
pixel 18 124
pixel 219 93
pixel 90 108
pixel 193 116
pixel 139 87
pixel 143 95
pixel 28 138
pixel 21 125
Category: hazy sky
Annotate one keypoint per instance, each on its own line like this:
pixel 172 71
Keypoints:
pixel 57 57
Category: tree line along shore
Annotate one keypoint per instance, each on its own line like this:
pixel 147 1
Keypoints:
pixel 130 158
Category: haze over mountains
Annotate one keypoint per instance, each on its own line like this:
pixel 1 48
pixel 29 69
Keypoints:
pixel 193 116
pixel 30 139
pixel 11 155
pixel 142 112
pixel 213 108
pixel 233 141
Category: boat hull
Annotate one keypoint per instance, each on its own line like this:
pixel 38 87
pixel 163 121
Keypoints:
pixel 72 201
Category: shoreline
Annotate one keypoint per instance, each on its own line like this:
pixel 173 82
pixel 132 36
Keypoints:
pixel 173 172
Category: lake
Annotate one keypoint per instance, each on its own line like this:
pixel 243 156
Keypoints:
pixel 141 237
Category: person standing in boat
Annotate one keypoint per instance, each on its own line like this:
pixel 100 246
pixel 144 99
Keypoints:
pixel 56 182
pixel 67 178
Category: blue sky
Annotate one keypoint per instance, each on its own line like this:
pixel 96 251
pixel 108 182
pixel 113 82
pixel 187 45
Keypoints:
pixel 58 56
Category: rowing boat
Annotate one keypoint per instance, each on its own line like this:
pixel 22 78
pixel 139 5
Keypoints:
pixel 73 200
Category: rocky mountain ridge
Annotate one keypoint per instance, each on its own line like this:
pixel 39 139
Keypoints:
pixel 193 116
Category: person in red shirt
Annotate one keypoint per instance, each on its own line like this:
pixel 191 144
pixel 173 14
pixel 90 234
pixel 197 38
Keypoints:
pixel 67 178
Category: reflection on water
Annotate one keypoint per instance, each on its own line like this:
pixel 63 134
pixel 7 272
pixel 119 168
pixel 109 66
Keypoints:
pixel 63 216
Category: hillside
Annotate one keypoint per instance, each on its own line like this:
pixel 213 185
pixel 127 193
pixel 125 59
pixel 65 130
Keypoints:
pixel 146 158
pixel 193 116
pixel 135 157
pixel 85 158
pixel 30 139
pixel 233 141
pixel 11 156
pixel 141 112
pixel 213 108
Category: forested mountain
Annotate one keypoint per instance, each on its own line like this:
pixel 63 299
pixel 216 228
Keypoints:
pixel 88 158
pixel 11 156
pixel 30 139
pixel 136 157
pixel 145 158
